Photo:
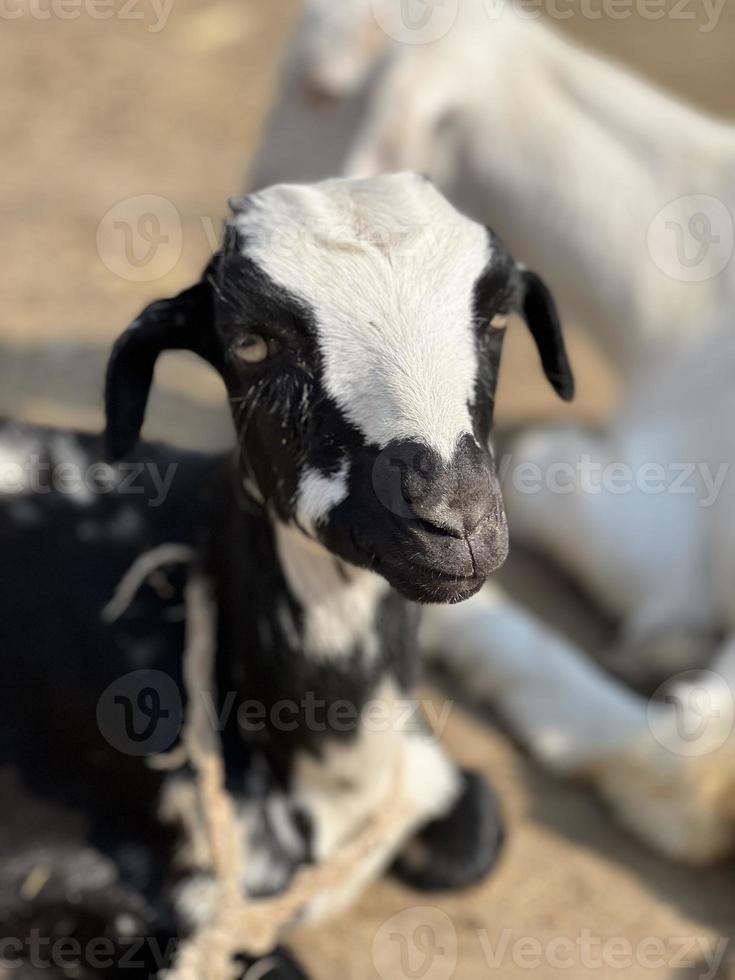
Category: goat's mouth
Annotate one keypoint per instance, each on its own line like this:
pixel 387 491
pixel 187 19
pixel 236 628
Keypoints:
pixel 430 586
pixel 423 566
pixel 426 583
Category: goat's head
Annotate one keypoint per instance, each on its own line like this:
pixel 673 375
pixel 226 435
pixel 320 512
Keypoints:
pixel 339 45
pixel 358 327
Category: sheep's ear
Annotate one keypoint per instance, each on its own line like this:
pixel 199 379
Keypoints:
pixel 182 323
pixel 539 311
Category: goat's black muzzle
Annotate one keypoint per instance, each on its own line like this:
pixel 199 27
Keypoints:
pixel 434 529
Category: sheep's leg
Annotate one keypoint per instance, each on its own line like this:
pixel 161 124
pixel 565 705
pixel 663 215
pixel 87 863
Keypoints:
pixel 665 768
pixel 303 141
pixel 566 710
pixel 674 785
pixel 401 127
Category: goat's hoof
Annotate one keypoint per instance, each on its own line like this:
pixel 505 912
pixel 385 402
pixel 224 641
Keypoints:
pixel 279 965
pixel 460 849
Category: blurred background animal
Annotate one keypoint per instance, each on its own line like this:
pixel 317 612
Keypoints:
pixel 570 159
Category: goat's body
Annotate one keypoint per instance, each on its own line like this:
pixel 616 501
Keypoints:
pixel 77 813
pixel 305 646
pixel 62 558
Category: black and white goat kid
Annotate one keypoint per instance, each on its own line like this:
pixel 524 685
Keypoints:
pixel 358 327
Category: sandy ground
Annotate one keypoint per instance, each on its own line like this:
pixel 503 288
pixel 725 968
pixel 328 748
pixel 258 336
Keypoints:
pixel 97 111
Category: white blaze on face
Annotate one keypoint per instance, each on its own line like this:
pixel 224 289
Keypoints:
pixel 319 494
pixel 388 268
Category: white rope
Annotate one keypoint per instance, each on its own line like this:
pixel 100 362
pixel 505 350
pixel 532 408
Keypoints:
pixel 139 571
pixel 238 924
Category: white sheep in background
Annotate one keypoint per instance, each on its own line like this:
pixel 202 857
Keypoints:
pixel 664 563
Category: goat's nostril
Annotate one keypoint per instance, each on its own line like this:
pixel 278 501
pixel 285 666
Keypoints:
pixel 440 529
pixel 442 521
pixel 462 521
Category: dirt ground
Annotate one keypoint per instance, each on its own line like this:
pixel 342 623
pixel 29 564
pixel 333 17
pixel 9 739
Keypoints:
pixel 96 111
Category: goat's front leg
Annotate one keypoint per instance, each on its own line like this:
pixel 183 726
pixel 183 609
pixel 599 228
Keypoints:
pixel 444 830
pixel 460 848
pixel 438 828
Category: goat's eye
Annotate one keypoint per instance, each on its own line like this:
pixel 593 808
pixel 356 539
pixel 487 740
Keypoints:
pixel 254 349
pixel 499 321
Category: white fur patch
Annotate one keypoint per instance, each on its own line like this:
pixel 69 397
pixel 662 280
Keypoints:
pixel 19 456
pixel 340 602
pixel 319 494
pixel 389 267
pixel 70 466
pixel 349 781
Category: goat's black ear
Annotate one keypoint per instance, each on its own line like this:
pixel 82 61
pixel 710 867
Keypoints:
pixel 539 311
pixel 182 323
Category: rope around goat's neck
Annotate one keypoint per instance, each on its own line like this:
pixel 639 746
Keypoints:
pixel 238 924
